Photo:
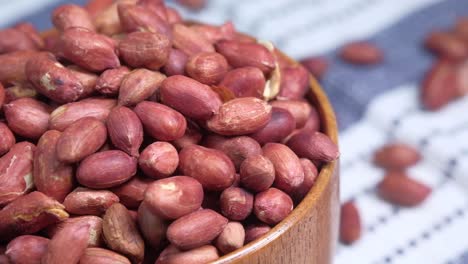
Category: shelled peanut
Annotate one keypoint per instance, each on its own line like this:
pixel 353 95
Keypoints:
pixel 137 123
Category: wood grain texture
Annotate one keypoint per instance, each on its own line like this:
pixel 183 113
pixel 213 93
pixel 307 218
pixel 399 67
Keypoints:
pixel 310 232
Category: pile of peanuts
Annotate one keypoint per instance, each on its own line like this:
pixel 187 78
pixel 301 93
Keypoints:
pixel 130 136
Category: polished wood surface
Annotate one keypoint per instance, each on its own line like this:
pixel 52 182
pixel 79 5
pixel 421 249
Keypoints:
pixel 310 232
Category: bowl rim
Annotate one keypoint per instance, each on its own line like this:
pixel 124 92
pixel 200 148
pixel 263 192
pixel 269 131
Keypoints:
pixel 329 127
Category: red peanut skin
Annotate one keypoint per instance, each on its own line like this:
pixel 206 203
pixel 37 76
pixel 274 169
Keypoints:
pixel 75 143
pixel 68 16
pixel 216 33
pixel 317 66
pixel 12 39
pixel 110 80
pixel 51 177
pixel 27 249
pixel 190 41
pixel 196 229
pixel 84 201
pixel 53 80
pixel 29 214
pixel 313 122
pixel 94 231
pixel 27 117
pixel 176 63
pixel 16 172
pixel 310 174
pixel 102 256
pixel 13 66
pixel 281 124
pixel 315 146
pixel 125 130
pixel 257 173
pixel 2 95
pixel 396 156
pixel 201 255
pixel 59 250
pixel 173 16
pixel 254 231
pixel 288 169
pixel 189 97
pixel 299 109
pixel 240 116
pixel 145 49
pixel 397 188
pixel 192 136
pixel 212 168
pixel 32 33
pixel 174 197
pixel 447 45
pixel 294 82
pixel 231 238
pixel 7 140
pixel 361 53
pixel 236 148
pixel 236 203
pixel 242 54
pixel 152 227
pixel 207 67
pixel 139 85
pixel 121 233
pixel 89 50
pixel 136 17
pixel 350 223
pixel 160 121
pixel 159 160
pixel 272 206
pixel 245 82
pixel 106 169
pixel 437 87
pixel 67 114
pixel 87 79
pixel 131 193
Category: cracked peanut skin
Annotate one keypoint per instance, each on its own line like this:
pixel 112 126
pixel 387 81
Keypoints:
pixel 29 214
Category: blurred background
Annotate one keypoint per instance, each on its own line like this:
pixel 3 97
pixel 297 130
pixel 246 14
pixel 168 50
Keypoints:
pixel 375 105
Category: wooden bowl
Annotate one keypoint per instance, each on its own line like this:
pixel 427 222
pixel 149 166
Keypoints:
pixel 310 232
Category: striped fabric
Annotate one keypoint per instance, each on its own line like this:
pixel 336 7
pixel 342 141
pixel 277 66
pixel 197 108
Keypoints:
pixel 374 105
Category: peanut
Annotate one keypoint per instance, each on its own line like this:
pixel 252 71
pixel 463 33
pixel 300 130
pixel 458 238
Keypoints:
pixel 174 197
pixel 196 229
pixel 145 49
pixel 110 80
pixel 257 173
pixel 27 249
pixel 139 85
pixel 27 117
pixel 106 169
pixel 83 201
pixel 212 168
pixel 75 143
pixel 207 67
pixel 51 176
pixel 16 169
pixel 131 193
pixel 281 124
pixel 7 140
pixel 152 227
pixel 103 256
pixel 176 63
pixel 161 122
pixel 315 146
pixel 231 238
pixel 159 160
pixel 125 130
pixel 242 54
pixel 236 203
pixel 121 234
pixel 272 206
pixel 68 16
pixel 189 97
pixel 240 116
pixel 245 82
